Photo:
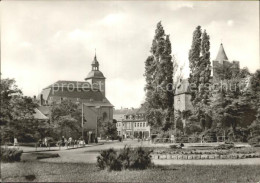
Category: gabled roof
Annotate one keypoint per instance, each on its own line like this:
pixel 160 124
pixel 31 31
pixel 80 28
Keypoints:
pixel 39 115
pixel 221 56
pixel 72 89
pixel 44 110
pixel 66 83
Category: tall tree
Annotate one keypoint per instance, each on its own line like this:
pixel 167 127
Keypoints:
pixel 200 71
pixel 159 81
pixel 66 119
pixel 194 62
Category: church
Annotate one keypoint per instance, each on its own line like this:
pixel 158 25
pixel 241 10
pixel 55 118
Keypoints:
pixel 89 94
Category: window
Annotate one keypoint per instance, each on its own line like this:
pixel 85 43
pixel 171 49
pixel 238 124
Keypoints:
pixel 140 124
pixel 135 124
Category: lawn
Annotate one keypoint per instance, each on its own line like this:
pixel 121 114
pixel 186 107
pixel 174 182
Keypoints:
pixel 72 172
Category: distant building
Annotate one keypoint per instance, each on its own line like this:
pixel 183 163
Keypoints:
pixel 131 123
pixel 222 61
pixel 89 93
pixel 182 96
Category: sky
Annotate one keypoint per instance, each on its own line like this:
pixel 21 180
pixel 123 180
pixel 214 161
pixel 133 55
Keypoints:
pixel 46 41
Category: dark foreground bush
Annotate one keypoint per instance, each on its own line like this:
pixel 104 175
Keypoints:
pixel 10 154
pixel 140 158
pixel 108 160
pixel 254 141
pixel 225 146
pixel 127 158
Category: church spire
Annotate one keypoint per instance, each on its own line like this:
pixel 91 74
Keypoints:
pixel 95 64
pixel 221 54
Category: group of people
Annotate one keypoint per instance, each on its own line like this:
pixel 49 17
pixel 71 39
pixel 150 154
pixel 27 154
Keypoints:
pixel 44 142
pixel 70 142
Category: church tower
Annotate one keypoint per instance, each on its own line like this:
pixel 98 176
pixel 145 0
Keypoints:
pixel 96 78
pixel 222 61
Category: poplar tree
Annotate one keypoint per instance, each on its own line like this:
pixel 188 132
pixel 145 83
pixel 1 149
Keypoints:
pixel 159 81
pixel 199 60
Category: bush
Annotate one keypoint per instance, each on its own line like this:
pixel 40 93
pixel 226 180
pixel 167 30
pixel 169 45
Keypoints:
pixel 140 159
pixel 254 141
pixel 127 158
pixel 10 154
pixel 225 146
pixel 108 159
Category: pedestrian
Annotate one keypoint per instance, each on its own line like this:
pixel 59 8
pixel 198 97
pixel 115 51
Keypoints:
pixel 15 141
pixel 46 142
pixel 62 141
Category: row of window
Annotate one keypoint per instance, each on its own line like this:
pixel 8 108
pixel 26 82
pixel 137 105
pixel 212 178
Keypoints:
pixel 137 124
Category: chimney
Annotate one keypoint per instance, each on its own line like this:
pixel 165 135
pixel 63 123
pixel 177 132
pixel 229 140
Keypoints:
pixel 41 99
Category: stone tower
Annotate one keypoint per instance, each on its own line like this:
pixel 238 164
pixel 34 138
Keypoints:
pixel 222 61
pixel 96 78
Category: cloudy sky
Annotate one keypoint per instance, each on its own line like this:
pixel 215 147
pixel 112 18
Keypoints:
pixel 46 41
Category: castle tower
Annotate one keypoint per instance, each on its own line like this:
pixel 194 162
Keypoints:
pixel 96 78
pixel 221 56
pixel 222 61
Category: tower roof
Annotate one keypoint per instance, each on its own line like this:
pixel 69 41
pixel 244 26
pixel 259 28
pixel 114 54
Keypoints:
pixel 221 54
pixel 95 72
pixel 95 62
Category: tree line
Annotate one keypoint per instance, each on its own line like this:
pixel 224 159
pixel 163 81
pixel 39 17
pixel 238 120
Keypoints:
pixel 234 112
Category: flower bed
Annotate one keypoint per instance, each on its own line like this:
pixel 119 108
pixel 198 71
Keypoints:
pixel 233 153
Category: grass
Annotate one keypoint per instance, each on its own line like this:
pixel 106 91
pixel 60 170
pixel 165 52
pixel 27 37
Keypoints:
pixel 79 172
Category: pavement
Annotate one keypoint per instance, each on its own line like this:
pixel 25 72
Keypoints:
pixel 89 154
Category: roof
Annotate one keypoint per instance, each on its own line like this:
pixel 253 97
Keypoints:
pixel 183 87
pixel 130 111
pixel 95 62
pixel 95 74
pixel 39 115
pixel 104 103
pixel 44 110
pixel 89 94
pixel 221 56
pixel 72 89
pixel 66 83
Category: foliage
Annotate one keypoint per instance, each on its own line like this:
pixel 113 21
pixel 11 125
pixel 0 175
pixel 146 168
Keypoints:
pixel 109 130
pixel 127 158
pixel 159 71
pixel 225 146
pixel 10 154
pixel 17 115
pixel 200 71
pixel 140 158
pixel 66 119
pixel 108 159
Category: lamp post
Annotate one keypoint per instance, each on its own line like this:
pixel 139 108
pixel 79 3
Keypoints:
pixel 82 121
pixel 97 107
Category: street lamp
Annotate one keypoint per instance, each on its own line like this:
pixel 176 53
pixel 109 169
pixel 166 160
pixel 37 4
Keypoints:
pixel 97 107
pixel 82 122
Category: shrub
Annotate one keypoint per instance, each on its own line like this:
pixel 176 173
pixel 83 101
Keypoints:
pixel 225 146
pixel 108 159
pixel 10 154
pixel 127 158
pixel 140 158
pixel 124 157
pixel 254 141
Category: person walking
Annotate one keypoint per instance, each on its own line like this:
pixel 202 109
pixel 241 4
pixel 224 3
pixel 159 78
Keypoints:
pixel 15 141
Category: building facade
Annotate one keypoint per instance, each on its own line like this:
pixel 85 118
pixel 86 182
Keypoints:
pixel 131 123
pixel 90 95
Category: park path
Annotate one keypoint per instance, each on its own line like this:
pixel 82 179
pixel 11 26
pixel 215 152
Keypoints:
pixel 89 155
